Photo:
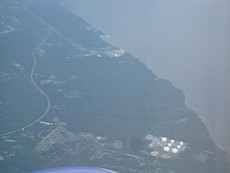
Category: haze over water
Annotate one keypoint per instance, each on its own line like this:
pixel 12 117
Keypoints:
pixel 186 42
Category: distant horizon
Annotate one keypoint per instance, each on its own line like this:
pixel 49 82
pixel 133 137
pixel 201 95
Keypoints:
pixel 184 42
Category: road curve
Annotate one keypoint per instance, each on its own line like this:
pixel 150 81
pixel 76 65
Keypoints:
pixel 42 92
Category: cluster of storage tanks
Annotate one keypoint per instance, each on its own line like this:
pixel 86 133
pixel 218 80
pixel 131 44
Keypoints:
pixel 171 145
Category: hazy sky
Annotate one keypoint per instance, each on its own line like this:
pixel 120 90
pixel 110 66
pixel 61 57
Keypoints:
pixel 184 41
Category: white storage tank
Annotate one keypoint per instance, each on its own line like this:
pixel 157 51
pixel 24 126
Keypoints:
pixel 174 150
pixel 178 147
pixel 164 139
pixel 166 149
pixel 172 141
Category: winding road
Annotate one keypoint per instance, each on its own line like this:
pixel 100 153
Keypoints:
pixel 42 92
pixel 51 30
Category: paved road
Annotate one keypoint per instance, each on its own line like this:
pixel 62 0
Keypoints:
pixel 42 92
pixel 54 30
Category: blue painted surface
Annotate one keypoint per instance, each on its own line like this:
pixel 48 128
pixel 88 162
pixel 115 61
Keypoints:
pixel 75 170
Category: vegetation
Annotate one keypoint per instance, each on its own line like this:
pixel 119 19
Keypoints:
pixel 113 96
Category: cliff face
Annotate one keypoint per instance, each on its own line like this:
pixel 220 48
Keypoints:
pixel 69 98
